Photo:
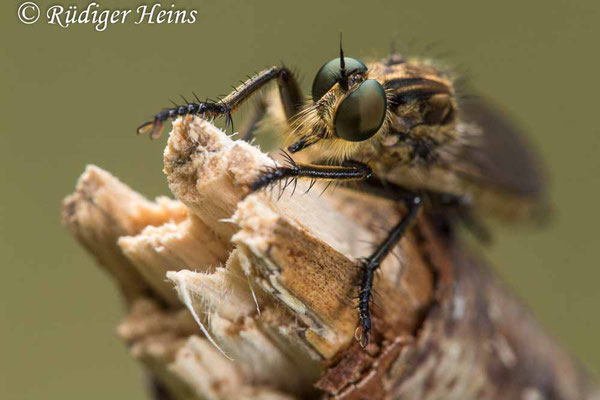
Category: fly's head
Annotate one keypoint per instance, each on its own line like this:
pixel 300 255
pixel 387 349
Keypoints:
pixel 349 109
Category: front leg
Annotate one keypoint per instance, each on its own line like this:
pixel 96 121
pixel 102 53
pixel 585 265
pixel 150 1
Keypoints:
pixel 349 171
pixel 289 90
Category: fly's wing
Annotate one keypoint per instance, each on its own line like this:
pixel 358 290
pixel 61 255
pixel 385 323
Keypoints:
pixel 500 157
pixel 500 161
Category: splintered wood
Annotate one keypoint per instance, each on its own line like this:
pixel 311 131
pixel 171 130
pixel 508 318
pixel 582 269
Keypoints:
pixel 236 296
pixel 298 251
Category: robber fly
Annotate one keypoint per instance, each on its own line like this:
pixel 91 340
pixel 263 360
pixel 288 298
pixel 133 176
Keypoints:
pixel 424 145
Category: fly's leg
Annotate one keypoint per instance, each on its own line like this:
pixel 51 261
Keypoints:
pixel 370 264
pixel 289 90
pixel 350 170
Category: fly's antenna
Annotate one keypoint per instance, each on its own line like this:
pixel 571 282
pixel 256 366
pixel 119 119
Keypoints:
pixel 343 75
pixel 342 62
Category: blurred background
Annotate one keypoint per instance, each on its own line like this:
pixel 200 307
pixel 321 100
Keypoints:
pixel 72 97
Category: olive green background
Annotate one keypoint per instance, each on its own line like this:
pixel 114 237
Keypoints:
pixel 74 96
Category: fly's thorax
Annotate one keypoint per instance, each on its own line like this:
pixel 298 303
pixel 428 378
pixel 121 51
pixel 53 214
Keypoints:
pixel 419 145
pixel 423 107
pixel 420 92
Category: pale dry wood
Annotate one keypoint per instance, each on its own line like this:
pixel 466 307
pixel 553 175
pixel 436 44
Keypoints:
pixel 187 244
pixel 166 340
pixel 102 210
pixel 188 366
pixel 270 283
pixel 301 249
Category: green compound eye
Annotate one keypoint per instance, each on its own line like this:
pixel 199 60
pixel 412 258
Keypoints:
pixel 361 114
pixel 330 72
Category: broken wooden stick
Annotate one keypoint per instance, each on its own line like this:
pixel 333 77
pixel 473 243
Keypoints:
pixel 252 297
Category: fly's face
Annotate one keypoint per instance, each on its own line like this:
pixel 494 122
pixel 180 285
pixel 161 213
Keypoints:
pixel 349 108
